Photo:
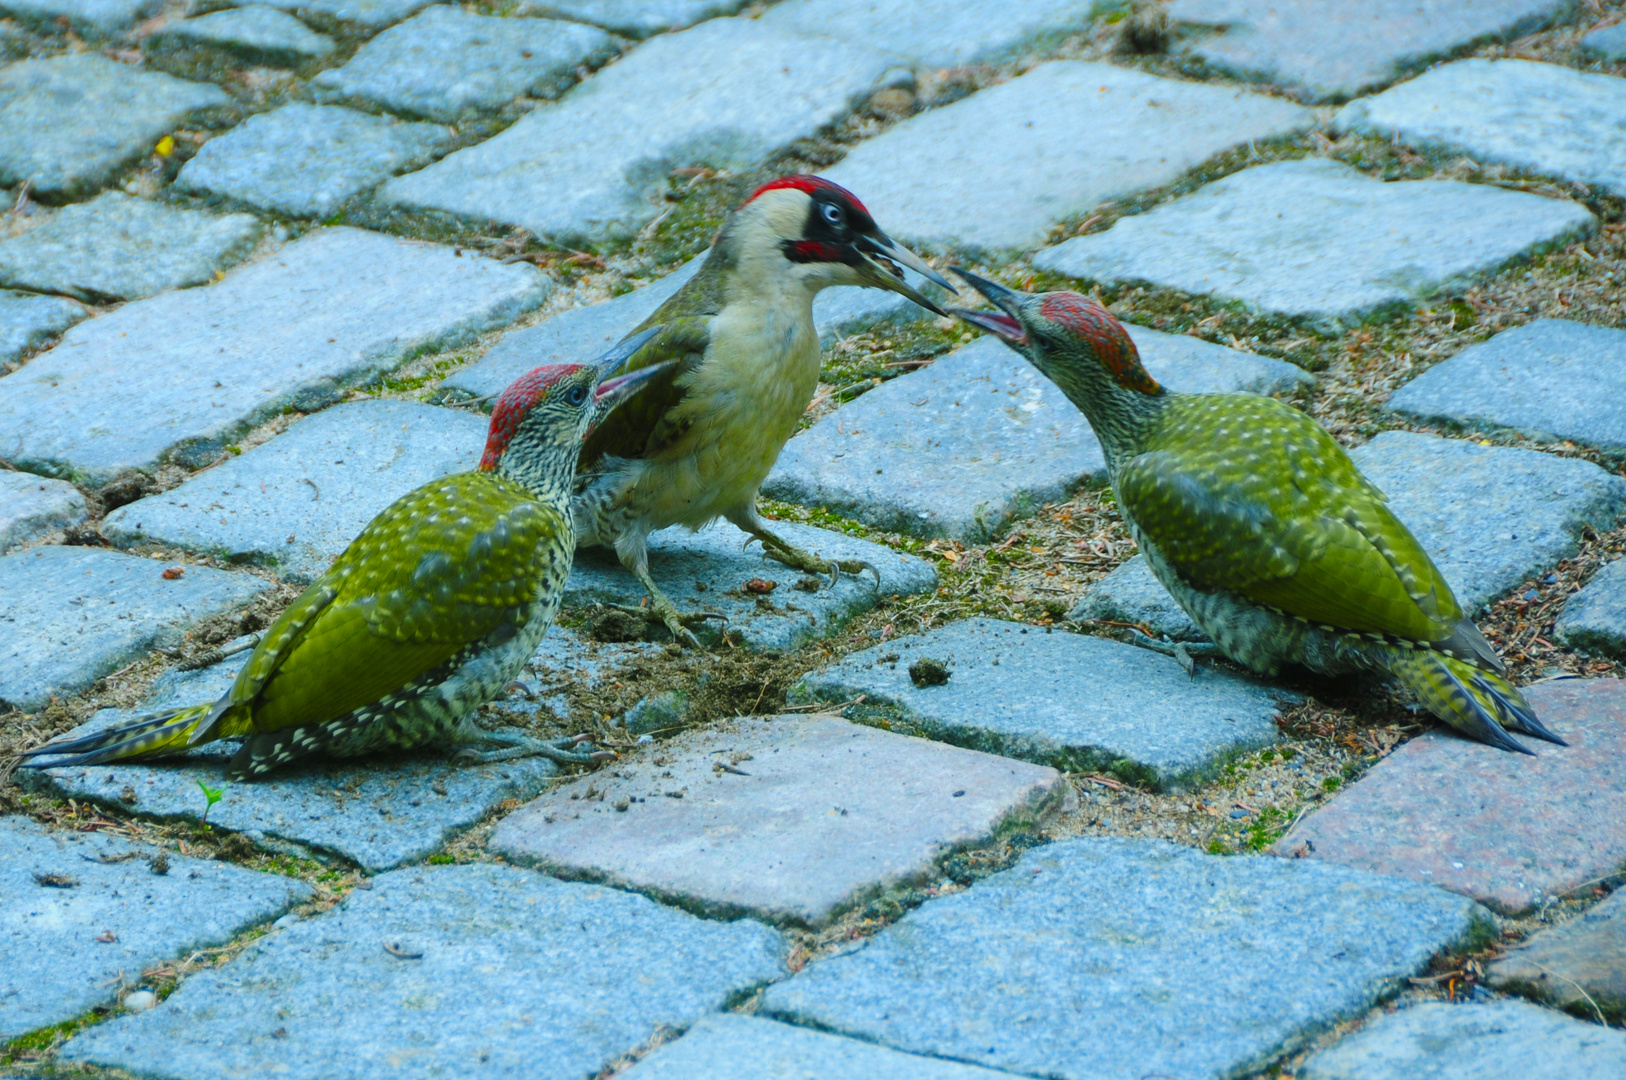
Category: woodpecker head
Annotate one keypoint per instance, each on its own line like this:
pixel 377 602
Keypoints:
pixel 819 233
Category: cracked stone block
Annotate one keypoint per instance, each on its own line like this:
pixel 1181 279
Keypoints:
pixel 937 33
pixel 636 18
pixel 297 501
pixel 1118 959
pixel 1594 619
pixel 1049 144
pixel 1132 594
pixel 1081 703
pixel 31 506
pixel 69 124
pixel 368 14
pixel 1540 117
pixel 1609 43
pixel 85 912
pixel 1329 50
pixel 69 615
pixel 341 154
pixel 724 94
pixel 568 978
pixel 119 248
pixel 445 63
pixel 334 309
pixel 98 18
pixel 1507 829
pixel 980 436
pixel 1501 1040
pixel 812 816
pixel 1579 966
pixel 255 32
pixel 28 321
pixel 1314 239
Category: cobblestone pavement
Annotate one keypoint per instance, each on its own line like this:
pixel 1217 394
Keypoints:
pixel 259 266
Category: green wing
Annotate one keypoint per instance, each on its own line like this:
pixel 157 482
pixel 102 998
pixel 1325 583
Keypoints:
pixel 1252 496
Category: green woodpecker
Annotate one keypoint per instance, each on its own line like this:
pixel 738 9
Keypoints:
pixel 745 358
pixel 426 616
pixel 1260 525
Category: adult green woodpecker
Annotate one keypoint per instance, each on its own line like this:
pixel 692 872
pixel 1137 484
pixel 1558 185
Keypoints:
pixel 699 442
pixel 1260 525
pixel 427 615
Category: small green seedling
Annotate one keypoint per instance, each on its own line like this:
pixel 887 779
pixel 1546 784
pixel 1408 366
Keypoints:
pixel 210 796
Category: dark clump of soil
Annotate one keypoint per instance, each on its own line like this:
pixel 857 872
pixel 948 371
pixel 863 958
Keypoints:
pixel 928 672
pixel 612 625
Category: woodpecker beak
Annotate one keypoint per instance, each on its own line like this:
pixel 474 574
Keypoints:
pixel 612 392
pixel 881 256
pixel 1008 326
pixel 621 352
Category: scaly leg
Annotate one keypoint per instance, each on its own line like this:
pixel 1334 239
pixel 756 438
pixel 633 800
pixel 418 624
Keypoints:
pixel 634 555
pixel 517 744
pixel 781 550
pixel 1185 652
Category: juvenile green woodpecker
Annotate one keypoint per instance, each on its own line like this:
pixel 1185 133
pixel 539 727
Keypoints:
pixel 426 616
pixel 1260 525
pixel 699 442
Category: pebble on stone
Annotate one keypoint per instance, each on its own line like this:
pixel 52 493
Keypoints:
pixel 445 63
pixel 185 372
pixel 368 14
pixel 1001 167
pixel 708 570
pixel 1506 829
pixel 85 914
pixel 1501 1040
pixel 494 971
pixel 28 321
pixel 937 33
pixel 69 615
pixel 119 248
pixel 1120 959
pixel 980 436
pixel 724 94
pixel 1594 619
pixel 298 500
pixel 1315 239
pixel 1609 43
pixel 98 18
pixel 340 153
pixel 255 32
pixel 31 506
pixel 1131 594
pixel 1579 966
pixel 1540 117
pixel 811 816
pixel 1078 702
pixel 636 18
pixel 68 124
pixel 1333 50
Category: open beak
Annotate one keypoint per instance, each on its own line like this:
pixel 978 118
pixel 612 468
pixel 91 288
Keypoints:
pixel 621 352
pixel 1003 324
pixel 882 256
pixel 613 391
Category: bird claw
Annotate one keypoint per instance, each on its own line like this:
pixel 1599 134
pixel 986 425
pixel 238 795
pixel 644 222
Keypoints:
pixel 810 563
pixel 1185 653
pixel 677 622
pixel 517 745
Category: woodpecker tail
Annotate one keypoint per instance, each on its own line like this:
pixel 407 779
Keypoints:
pixel 154 735
pixel 1478 703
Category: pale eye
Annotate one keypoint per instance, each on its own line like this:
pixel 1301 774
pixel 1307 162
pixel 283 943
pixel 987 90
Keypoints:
pixel 832 213
pixel 577 395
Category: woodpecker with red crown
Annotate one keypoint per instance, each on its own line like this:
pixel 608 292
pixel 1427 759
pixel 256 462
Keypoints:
pixel 744 354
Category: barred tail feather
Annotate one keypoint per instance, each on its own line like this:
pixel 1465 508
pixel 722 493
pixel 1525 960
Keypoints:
pixel 154 735
pixel 1478 703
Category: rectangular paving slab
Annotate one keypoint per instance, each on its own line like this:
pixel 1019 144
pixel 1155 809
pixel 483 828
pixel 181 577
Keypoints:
pixel 1579 965
pixel 1083 703
pixel 1316 240
pixel 980 436
pixel 98 18
pixel 495 971
pixel 635 18
pixel 936 34
pixel 188 371
pixel 83 914
pixel 1540 117
pixel 1594 619
pixel 1609 43
pixel 812 816
pixel 28 321
pixel 1120 959
pixel 1506 829
pixel 368 14
pixel 255 32
pixel 69 615
pixel 1131 594
pixel 31 506
pixel 298 500
pixel 1052 143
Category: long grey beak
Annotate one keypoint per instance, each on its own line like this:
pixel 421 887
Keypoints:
pixel 1008 326
pixel 882 255
pixel 613 391
pixel 622 351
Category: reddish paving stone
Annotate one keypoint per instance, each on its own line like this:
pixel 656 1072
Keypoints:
pixel 1506 829
pixel 1579 966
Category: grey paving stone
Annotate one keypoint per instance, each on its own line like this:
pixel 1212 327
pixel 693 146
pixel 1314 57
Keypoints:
pixel 1316 240
pixel 28 321
pixel 54 963
pixel 1594 619
pixel 636 18
pixel 826 815
pixel 726 94
pixel 567 978
pixel 119 248
pixel 1541 117
pixel 341 153
pixel 1131 594
pixel 68 124
pixel 1051 143
pixel 256 32
pixel 980 436
pixel 1503 1040
pixel 728 1046
pixel 1579 966
pixel 298 500
pixel 1609 43
pixel 1079 702
pixel 1329 50
pixel 336 308
pixel 1506 829
pixel 69 615
pixel 708 571
pixel 368 14
pixel 445 63
pixel 937 33
pixel 98 18
pixel 1120 959
pixel 31 506
pixel 1550 379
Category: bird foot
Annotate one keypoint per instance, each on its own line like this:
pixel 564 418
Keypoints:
pixel 517 745
pixel 1185 653
pixel 809 563
pixel 677 622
